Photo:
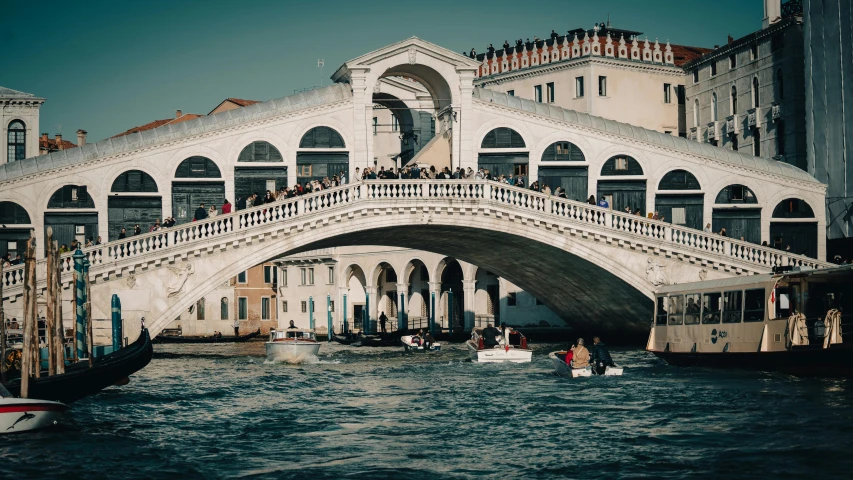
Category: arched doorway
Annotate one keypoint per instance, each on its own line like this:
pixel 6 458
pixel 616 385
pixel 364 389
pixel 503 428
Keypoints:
pixel 72 215
pixel 387 298
pixel 624 192
pixel 682 208
pixel 322 153
pixel 793 228
pixel 260 167
pixel 134 200
pixel 452 313
pixel 13 238
pixel 736 209
pixel 418 298
pixel 198 180
pixel 354 299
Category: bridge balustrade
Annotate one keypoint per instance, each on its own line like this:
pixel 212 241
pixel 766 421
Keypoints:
pixel 536 203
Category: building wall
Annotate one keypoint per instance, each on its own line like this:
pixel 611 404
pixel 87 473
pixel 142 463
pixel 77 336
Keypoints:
pixel 790 98
pixel 829 102
pixel 26 110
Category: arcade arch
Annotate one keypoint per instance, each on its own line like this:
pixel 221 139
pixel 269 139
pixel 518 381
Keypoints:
pixel 321 154
pixel 251 177
pixel 134 200
pixel 198 180
pixel 679 199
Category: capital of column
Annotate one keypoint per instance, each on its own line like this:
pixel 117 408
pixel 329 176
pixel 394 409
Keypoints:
pixel 402 288
pixel 469 285
pixel 434 286
pixel 371 290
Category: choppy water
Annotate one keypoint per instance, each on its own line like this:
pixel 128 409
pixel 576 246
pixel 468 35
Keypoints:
pixel 218 411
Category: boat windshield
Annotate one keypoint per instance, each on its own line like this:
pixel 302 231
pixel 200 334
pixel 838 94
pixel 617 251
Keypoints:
pixel 3 392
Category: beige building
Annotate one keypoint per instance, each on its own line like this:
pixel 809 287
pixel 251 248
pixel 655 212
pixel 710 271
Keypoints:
pixel 19 125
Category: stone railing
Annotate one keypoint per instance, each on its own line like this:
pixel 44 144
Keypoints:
pixel 196 235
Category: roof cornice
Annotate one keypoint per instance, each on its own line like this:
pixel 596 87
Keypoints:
pixel 740 42
pixel 498 78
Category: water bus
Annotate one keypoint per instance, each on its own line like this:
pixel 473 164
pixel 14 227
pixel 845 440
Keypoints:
pixel 294 345
pixel 790 321
pixel 510 348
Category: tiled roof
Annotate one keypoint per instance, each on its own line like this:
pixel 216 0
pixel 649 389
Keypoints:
pixel 241 102
pixel 175 131
pixel 159 123
pixel 649 136
pixel 50 144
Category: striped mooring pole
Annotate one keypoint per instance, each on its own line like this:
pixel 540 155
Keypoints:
pixel 329 313
pixel 117 327
pixel 80 340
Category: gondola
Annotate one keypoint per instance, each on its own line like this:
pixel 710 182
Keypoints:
pixel 238 339
pixel 79 380
pixel 346 340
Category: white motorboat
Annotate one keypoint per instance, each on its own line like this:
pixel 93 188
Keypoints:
pixel 24 414
pixel 294 345
pixel 412 345
pixel 564 370
pixel 505 351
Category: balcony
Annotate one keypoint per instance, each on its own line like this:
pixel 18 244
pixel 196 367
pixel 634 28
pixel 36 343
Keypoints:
pixel 713 132
pixel 776 110
pixel 693 134
pixel 732 125
pixel 753 118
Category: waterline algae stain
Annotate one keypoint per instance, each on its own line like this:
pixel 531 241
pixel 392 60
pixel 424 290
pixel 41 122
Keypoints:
pixel 220 411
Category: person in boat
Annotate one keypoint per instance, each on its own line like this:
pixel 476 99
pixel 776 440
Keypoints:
pixel 489 336
pixel 292 326
pixel 418 338
pixel 428 340
pixel 580 355
pixel 600 357
pixel 569 355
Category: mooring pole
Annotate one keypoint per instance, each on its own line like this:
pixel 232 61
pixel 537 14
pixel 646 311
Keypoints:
pixel 346 327
pixel 59 328
pixel 450 312
pixel 80 301
pixel 90 335
pixel 29 317
pixel 311 313
pixel 366 326
pixel 401 313
pixel 432 315
pixel 329 313
pixel 50 306
pixel 2 326
pixel 117 326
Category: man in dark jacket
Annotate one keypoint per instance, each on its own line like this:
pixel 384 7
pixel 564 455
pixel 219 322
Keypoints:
pixel 489 334
pixel 200 213
pixel 600 356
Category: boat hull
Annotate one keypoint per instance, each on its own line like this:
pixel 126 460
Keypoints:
pixel 410 347
pixel 836 361
pixel 292 352
pixel 241 338
pixel 499 355
pixel 24 414
pixel 79 380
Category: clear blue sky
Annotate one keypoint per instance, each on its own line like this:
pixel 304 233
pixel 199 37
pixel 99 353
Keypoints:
pixel 106 66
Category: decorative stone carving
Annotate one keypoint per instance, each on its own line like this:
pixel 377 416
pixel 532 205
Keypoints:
pixel 131 280
pixel 180 276
pixel 703 274
pixel 377 88
pixel 413 56
pixel 655 273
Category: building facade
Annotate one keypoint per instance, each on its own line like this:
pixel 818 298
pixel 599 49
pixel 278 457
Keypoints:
pixel 829 103
pixel 19 125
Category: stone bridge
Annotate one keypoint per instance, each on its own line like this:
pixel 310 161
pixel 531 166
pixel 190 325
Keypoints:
pixel 594 267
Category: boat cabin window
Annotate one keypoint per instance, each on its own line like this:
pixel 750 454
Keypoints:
pixel 676 309
pixel 753 305
pixel 787 300
pixel 711 306
pixel 662 311
pixel 692 309
pixel 825 296
pixel 733 307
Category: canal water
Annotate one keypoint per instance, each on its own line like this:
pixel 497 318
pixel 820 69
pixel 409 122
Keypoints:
pixel 219 411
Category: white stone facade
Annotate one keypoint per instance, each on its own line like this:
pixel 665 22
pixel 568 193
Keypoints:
pixel 24 107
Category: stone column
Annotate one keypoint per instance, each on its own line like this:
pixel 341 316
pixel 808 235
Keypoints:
pixel 463 129
pixel 341 312
pixel 372 310
pixel 402 305
pixel 469 288
pixel 362 148
pixel 435 288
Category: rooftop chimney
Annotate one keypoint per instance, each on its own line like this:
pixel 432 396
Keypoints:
pixel 44 137
pixel 81 137
pixel 179 114
pixel 772 12
pixel 59 141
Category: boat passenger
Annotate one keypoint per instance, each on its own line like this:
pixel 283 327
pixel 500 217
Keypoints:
pixel 292 326
pixel 428 340
pixel 569 355
pixel 489 336
pixel 600 357
pixel 580 355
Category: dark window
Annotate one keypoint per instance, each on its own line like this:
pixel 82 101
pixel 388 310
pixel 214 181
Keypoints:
pixel 756 142
pixel 713 68
pixel 733 304
pixel 197 167
pixel 503 138
pixel 676 309
pixel 602 86
pixel 242 308
pixel 304 305
pixel 199 309
pixel 223 309
pixel 662 311
pixel 734 100
pixel 753 307
pixel 511 93
pixel 667 93
pixel 268 273
pixel 16 138
pixel 692 309
pixel 695 75
pixel 241 277
pixel 753 51
pixel 550 87
pixel 134 181
pixel 755 99
pixel 13 214
pixel 375 125
pixel 780 138
pixel 537 93
pixel 679 92
pixel 621 165
pixel 71 196
pixel 679 180
pixel 736 194
pixel 711 307
pixel 793 208
pixel 260 152
pixel 265 308
pixel 732 62
pixel 563 152
pixel 578 87
pixel 511 299
pixel 322 137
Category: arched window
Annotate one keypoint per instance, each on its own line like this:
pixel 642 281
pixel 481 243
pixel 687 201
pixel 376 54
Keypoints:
pixel 16 141
pixel 679 180
pixel 714 107
pixel 736 194
pixel 71 196
pixel 134 181
pixel 780 138
pixel 756 142
pixel 562 152
pixel 322 137
pixel 13 214
pixel 223 308
pixel 755 103
pixel 621 165
pixel 734 100
pixel 696 112
pixel 197 167
pixel 780 86
pixel 503 138
pixel 793 208
pixel 260 152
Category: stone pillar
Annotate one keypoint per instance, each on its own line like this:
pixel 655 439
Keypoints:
pixel 372 310
pixel 463 129
pixel 469 289
pixel 435 288
pixel 362 148
pixel 402 305
pixel 342 306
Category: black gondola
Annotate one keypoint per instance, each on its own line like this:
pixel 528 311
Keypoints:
pixel 238 339
pixel 79 380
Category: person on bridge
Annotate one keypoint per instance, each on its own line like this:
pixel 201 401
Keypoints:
pixel 603 203
pixel 200 213
pixel 600 357
pixel 226 207
pixel 580 355
pixel 382 321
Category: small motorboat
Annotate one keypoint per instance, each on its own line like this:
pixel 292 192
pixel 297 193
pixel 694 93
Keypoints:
pixel 564 370
pixel 410 344
pixel 511 349
pixel 294 345
pixel 24 414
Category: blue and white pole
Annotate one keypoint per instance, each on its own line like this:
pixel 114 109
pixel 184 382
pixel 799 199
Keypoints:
pixel 346 327
pixel 80 313
pixel 311 313
pixel 117 327
pixel 432 316
pixel 329 313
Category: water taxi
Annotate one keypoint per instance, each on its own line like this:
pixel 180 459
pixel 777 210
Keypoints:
pixel 509 348
pixel 24 414
pixel 561 368
pixel 294 345
pixel 790 321
pixel 410 344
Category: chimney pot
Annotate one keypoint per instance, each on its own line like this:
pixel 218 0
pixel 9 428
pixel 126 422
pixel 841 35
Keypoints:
pixel 44 137
pixel 179 114
pixel 59 141
pixel 81 137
